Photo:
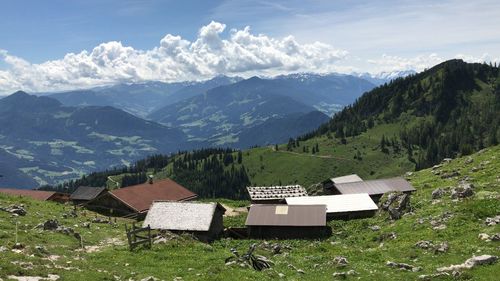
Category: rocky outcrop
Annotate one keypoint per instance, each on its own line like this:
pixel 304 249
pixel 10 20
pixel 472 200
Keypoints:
pixel 396 204
pixel 470 263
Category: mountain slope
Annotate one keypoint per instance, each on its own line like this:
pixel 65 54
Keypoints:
pixel 456 222
pixel 51 142
pixel 220 115
pixel 140 99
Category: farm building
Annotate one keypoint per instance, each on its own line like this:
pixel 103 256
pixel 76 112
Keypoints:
pixel 374 188
pixel 203 220
pixel 84 194
pixel 135 200
pixel 37 194
pixel 329 183
pixel 346 206
pixel 274 194
pixel 287 221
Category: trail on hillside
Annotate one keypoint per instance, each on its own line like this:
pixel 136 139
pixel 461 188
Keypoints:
pixel 311 155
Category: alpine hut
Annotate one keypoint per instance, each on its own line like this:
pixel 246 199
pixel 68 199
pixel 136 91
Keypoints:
pixel 347 206
pixel 40 195
pixel 271 221
pixel 274 194
pixel 135 200
pixel 329 183
pixel 374 188
pixel 84 194
pixel 203 220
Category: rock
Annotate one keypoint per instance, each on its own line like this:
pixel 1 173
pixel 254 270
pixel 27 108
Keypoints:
pixel 435 167
pixel 446 160
pixel 344 274
pixel 409 174
pixel 3 249
pixel 437 193
pixel 161 240
pixel 42 250
pixel 281 275
pixel 475 169
pixel 450 174
pixel 484 163
pixel 50 225
pixel 463 191
pixel 17 210
pixel 470 263
pixel 375 228
pixel 403 266
pixel 495 237
pixel 86 224
pixel 433 276
pixel 468 160
pixel 99 220
pixel 340 261
pixel 442 247
pixel 301 271
pixel 150 278
pixel 439 227
pixel 18 246
pixel 386 236
pixel 424 244
pixel 484 236
pixel 492 221
pixel 396 204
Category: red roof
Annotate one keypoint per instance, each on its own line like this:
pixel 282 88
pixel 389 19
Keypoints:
pixel 35 194
pixel 140 197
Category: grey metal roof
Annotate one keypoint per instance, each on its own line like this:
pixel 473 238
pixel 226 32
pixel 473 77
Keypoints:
pixel 184 216
pixel 346 179
pixel 286 215
pixel 275 192
pixel 337 203
pixel 375 187
pixel 86 193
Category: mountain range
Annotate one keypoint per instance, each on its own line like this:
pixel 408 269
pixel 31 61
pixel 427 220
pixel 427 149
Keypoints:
pixel 45 139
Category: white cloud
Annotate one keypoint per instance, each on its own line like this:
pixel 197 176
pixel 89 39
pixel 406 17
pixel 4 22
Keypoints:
pixel 175 59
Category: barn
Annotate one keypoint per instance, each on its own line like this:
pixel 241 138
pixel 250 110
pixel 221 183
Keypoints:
pixel 329 183
pixel 84 194
pixel 278 221
pixel 37 194
pixel 274 194
pixel 374 188
pixel 134 201
pixel 202 220
pixel 348 206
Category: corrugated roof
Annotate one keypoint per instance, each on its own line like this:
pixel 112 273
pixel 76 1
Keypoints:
pixel 286 215
pixel 34 194
pixel 275 192
pixel 185 216
pixel 346 179
pixel 337 203
pixel 140 197
pixel 86 193
pixel 375 187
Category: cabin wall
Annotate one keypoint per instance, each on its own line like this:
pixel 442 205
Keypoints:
pixel 108 205
pixel 350 215
pixel 288 232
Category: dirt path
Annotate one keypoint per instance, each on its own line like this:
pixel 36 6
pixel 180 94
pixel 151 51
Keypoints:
pixel 233 212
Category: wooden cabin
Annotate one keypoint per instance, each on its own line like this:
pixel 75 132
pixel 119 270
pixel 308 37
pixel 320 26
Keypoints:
pixel 202 220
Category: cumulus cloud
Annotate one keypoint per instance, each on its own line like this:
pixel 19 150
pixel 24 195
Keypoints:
pixel 213 52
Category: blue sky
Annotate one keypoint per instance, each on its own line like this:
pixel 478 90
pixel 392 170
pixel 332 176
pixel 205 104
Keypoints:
pixel 127 40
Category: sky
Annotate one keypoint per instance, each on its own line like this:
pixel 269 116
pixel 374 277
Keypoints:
pixel 59 45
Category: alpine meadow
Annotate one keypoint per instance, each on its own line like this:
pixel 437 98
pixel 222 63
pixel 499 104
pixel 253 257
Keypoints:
pixel 249 140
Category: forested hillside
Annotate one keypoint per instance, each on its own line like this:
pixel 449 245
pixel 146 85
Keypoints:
pixel 448 110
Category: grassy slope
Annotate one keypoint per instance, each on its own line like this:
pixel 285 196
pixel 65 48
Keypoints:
pixel 333 159
pixel 353 239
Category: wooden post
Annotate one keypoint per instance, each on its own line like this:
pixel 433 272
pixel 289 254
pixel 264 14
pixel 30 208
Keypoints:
pixel 16 230
pixel 149 237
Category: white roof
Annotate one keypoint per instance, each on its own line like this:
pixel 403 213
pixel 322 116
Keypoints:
pixel 337 203
pixel 347 179
pixel 186 216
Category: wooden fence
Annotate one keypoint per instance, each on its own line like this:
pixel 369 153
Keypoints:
pixel 139 236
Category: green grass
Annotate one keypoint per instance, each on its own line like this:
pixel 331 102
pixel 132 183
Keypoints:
pixel 192 260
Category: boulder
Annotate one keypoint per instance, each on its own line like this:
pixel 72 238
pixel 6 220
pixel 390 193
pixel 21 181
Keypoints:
pixel 470 263
pixel 340 261
pixel 495 237
pixel 51 225
pixel 492 221
pixel 437 193
pixel 396 204
pixel 462 191
pixel 451 174
pixel 442 247
pixel 424 244
pixel 403 266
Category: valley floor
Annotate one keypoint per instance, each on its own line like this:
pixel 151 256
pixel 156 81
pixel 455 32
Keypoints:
pixel 367 244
